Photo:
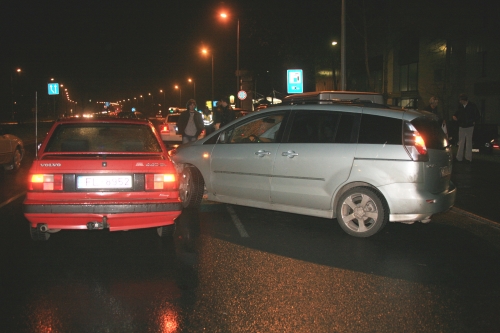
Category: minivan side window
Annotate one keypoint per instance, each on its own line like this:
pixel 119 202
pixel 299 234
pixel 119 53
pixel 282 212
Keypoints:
pixel 380 130
pixel 322 127
pixel 264 129
pixel 314 127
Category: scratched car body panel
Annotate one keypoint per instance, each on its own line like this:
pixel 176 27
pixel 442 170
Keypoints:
pixel 101 174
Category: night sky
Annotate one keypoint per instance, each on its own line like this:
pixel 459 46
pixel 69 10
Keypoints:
pixel 111 50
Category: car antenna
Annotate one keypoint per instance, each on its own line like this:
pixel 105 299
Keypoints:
pixel 36 124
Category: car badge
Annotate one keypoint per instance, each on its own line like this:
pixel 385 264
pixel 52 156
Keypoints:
pixel 104 164
pixel 139 164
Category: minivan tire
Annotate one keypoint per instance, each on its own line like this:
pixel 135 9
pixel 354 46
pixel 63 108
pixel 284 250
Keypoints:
pixel 361 204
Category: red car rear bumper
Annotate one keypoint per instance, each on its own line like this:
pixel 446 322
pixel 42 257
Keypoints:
pixel 116 216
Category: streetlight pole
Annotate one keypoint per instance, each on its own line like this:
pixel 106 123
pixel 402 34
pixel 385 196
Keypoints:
pixel 194 87
pixel 164 100
pixel 342 50
pixel 237 61
pixel 180 95
pixel 18 70
pixel 204 51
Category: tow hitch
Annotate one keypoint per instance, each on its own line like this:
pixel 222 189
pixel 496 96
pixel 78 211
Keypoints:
pixel 96 225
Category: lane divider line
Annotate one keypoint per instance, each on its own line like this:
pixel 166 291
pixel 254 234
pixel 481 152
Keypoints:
pixel 237 222
pixel 5 203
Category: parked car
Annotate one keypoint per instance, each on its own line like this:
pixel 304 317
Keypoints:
pixel 11 151
pixel 106 173
pixel 169 131
pixel 131 115
pixel 354 160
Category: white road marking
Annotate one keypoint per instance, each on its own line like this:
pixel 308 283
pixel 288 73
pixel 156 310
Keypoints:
pixel 237 222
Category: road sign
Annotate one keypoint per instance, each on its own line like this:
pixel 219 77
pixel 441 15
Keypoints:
pixel 295 81
pixel 242 94
pixel 53 88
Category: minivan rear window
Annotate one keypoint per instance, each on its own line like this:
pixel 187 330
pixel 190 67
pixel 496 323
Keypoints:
pixel 431 131
pixel 380 130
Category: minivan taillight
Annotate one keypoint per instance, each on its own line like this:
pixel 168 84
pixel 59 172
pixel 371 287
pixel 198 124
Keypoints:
pixel 160 181
pixel 46 182
pixel 415 143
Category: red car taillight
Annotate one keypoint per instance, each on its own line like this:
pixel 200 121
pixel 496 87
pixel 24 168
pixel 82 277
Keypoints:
pixel 165 130
pixel 160 181
pixel 415 143
pixel 45 182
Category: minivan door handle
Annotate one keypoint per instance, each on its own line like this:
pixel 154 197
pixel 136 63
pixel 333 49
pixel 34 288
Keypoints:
pixel 262 152
pixel 290 154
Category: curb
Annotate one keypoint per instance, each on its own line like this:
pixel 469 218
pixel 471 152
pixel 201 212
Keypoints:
pixel 483 220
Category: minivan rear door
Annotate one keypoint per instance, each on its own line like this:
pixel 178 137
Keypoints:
pixel 437 170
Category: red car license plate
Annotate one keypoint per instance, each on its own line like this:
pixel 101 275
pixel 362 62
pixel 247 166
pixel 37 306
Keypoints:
pixel 103 182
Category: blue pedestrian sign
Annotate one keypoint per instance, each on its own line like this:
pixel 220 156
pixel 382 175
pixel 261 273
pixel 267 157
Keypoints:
pixel 53 88
pixel 295 81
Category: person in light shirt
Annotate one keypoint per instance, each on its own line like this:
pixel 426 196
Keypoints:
pixel 190 123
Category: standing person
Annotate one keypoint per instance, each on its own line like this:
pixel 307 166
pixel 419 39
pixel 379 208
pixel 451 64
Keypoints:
pixel 227 112
pixel 432 107
pixel 467 114
pixel 190 122
pixel 208 119
pixel 216 114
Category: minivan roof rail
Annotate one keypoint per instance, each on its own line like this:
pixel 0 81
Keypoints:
pixel 341 97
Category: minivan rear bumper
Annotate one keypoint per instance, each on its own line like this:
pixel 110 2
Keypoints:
pixel 409 203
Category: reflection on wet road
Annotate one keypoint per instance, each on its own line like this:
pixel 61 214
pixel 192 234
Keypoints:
pixel 292 274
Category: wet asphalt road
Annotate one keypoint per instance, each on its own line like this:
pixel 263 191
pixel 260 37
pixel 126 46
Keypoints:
pixel 292 274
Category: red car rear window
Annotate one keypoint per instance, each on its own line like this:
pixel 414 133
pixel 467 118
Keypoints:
pixel 103 137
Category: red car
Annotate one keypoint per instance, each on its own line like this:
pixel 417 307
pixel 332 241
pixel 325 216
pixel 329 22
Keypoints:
pixel 103 173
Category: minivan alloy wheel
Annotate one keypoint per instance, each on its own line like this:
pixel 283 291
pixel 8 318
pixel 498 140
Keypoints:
pixel 361 212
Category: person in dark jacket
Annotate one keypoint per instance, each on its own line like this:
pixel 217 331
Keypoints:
pixel 190 123
pixel 467 115
pixel 226 112
pixel 432 107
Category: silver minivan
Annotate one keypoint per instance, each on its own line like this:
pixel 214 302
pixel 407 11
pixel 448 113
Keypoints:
pixel 354 160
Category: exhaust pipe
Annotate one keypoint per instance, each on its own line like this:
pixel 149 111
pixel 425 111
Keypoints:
pixel 94 225
pixel 42 227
